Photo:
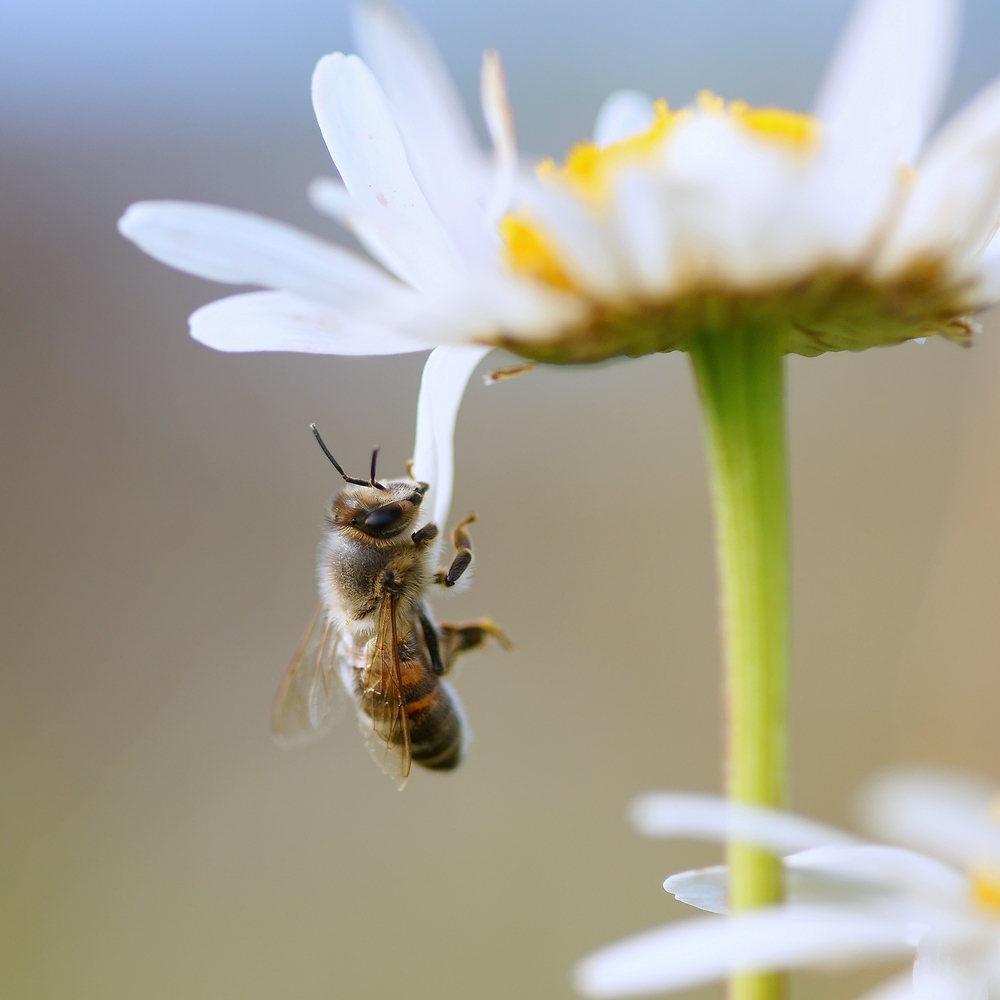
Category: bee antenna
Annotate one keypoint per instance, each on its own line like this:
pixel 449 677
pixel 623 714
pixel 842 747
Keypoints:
pixel 376 485
pixel 336 464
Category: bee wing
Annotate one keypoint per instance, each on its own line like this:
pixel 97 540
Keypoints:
pixel 304 705
pixel 388 729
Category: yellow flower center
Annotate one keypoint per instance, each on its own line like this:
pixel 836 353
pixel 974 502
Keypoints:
pixel 528 251
pixel 832 309
pixel 984 890
pixel 589 169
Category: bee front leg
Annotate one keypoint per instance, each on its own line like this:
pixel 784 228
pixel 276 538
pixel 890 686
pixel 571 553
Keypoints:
pixel 463 555
pixel 425 534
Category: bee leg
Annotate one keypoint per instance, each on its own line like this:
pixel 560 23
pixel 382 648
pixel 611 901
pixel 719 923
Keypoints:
pixel 456 639
pixel 463 555
pixel 425 534
pixel 433 646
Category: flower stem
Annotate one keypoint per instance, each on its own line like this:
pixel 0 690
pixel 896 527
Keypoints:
pixel 740 377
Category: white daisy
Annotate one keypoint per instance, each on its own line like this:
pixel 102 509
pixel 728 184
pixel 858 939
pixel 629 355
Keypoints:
pixel 843 229
pixel 418 194
pixel 848 901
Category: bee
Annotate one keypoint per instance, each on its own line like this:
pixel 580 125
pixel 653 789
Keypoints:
pixel 374 630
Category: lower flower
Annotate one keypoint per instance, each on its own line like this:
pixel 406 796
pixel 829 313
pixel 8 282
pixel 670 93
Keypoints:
pixel 848 902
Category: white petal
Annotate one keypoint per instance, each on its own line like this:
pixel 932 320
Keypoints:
pixel 952 208
pixel 244 249
pixel 489 304
pixel 692 952
pixel 880 96
pixel 446 374
pixel 945 813
pixel 623 114
pixel 277 321
pixel 838 875
pixel 645 230
pixel 704 888
pixel 945 975
pixel 441 149
pixel 711 817
pixel 500 124
pixel 364 142
pixel 904 872
pixel 583 245
pixel 736 205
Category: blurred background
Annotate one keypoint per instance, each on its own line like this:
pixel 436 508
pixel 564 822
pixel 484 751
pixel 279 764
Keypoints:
pixel 161 507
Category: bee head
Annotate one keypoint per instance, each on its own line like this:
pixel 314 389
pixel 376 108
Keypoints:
pixel 381 513
pixel 378 510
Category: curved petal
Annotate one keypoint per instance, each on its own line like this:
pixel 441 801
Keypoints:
pixel 446 374
pixel 240 248
pixel 644 225
pixel 623 114
pixel 581 242
pixel 881 93
pixel 365 144
pixel 713 818
pixel 896 869
pixel 692 952
pixel 838 875
pixel 277 321
pixel 441 149
pixel 500 124
pixel 952 208
pixel 949 814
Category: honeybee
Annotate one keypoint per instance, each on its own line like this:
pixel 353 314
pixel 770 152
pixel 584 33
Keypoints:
pixel 373 628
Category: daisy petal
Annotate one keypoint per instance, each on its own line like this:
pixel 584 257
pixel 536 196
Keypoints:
pixel 952 209
pixel 500 124
pixel 836 875
pixel 881 94
pixel 441 149
pixel 888 76
pixel 692 952
pixel 239 248
pixel 949 814
pixel 711 817
pixel 446 374
pixel 365 144
pixel 623 114
pixel 904 872
pixel 277 321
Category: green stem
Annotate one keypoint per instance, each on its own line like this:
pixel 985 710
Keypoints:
pixel 741 386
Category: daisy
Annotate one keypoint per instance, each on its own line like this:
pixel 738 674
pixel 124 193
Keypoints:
pixel 848 901
pixel 839 230
pixel 421 197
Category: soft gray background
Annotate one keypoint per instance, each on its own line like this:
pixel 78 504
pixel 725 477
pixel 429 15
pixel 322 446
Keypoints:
pixel 161 505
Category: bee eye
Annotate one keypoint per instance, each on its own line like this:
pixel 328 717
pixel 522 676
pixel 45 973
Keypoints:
pixel 384 518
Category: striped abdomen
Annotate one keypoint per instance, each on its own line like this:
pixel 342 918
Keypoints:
pixel 436 731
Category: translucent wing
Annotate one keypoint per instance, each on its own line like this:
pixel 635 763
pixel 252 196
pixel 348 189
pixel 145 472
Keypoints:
pixel 383 700
pixel 304 707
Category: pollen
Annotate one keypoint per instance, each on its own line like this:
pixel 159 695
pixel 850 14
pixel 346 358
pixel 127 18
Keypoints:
pixel 778 125
pixel 528 251
pixel 589 169
pixel 984 889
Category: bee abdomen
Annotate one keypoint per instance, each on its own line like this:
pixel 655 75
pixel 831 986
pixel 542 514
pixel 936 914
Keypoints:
pixel 436 731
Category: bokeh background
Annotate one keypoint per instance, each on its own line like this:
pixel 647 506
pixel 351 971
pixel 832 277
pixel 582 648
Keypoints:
pixel 161 507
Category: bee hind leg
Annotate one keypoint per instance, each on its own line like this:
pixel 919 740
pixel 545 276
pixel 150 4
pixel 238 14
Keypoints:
pixel 457 639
